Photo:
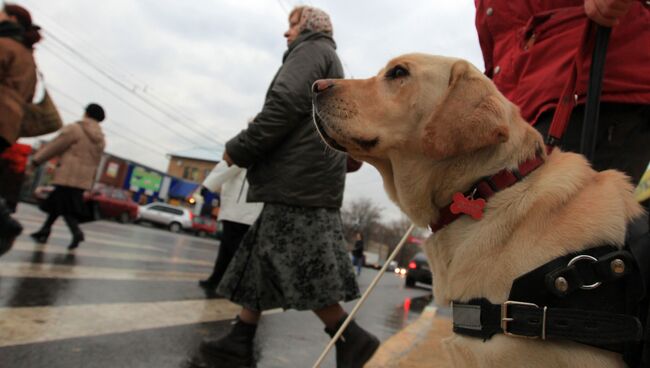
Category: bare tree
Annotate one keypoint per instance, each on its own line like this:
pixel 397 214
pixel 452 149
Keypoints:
pixel 361 215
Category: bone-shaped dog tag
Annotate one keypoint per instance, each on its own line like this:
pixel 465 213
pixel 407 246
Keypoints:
pixel 468 206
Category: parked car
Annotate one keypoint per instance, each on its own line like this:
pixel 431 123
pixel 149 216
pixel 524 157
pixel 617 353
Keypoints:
pixel 175 218
pixel 204 226
pixel 418 271
pixel 111 202
pixel 103 202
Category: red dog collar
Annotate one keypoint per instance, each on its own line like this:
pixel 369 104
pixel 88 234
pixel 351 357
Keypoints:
pixel 469 204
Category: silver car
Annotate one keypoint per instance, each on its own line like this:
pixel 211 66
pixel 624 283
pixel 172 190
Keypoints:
pixel 175 218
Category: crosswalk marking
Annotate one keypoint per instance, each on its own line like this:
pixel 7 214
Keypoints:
pixel 40 324
pixel 27 269
pixel 107 254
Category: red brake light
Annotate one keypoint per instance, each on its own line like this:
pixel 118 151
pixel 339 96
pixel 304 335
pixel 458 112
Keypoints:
pixel 413 265
pixel 191 216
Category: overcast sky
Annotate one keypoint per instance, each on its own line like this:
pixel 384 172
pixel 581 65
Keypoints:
pixel 208 63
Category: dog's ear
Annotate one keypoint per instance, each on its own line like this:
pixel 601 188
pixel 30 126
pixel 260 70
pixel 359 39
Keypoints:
pixel 470 116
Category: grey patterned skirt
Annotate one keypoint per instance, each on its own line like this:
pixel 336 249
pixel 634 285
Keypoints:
pixel 291 258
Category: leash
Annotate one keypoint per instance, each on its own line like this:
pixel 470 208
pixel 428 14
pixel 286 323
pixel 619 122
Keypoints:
pixel 569 98
pixel 365 295
pixel 592 106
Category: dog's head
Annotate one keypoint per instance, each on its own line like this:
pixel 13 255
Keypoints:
pixel 421 115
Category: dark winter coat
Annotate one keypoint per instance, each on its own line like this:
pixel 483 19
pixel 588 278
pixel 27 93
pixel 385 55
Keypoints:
pixel 357 251
pixel 286 159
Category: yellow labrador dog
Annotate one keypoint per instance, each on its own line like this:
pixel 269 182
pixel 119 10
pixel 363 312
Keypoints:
pixel 433 126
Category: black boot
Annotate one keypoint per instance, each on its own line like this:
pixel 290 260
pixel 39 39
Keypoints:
pixel 9 228
pixel 77 238
pixel 41 236
pixel 232 350
pixel 355 347
pixel 77 234
pixel 208 284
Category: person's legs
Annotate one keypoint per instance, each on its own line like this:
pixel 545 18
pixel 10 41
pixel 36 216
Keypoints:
pixel 9 228
pixel 233 233
pixel 236 348
pixel 77 234
pixel 41 235
pixel 356 345
pixel 331 315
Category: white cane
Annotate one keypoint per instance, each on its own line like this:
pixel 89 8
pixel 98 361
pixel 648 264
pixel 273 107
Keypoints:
pixel 363 297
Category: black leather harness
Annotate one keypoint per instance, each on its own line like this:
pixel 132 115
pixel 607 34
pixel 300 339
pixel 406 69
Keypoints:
pixel 597 297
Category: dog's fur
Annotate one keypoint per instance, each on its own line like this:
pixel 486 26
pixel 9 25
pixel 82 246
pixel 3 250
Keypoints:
pixel 438 130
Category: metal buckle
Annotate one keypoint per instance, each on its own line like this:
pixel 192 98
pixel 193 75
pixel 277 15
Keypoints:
pixel 505 319
pixel 585 257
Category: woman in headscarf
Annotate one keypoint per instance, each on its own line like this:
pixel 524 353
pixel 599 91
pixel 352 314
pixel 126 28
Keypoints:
pixel 17 84
pixel 294 255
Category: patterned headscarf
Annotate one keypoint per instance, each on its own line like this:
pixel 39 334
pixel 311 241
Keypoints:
pixel 315 20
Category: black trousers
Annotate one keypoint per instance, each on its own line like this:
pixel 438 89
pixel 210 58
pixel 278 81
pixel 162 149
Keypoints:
pixel 233 233
pixel 71 221
pixel 622 140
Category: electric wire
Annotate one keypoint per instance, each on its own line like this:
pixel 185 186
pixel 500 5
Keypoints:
pixel 113 121
pixel 129 89
pixel 117 96
pixel 90 47
pixel 284 9
pixel 69 111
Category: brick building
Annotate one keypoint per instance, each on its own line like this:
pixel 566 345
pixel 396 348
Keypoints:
pixel 194 164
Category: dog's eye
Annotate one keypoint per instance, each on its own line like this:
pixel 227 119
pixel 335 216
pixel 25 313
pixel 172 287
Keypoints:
pixel 397 72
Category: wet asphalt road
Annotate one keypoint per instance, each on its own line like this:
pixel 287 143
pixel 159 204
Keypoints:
pixel 128 298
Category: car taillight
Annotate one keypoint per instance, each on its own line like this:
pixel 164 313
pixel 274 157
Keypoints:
pixel 191 216
pixel 413 265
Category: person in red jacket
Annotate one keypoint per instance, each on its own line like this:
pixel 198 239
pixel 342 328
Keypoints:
pixel 529 48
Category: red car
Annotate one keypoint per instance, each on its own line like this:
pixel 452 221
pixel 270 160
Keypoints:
pixel 103 202
pixel 112 202
pixel 204 226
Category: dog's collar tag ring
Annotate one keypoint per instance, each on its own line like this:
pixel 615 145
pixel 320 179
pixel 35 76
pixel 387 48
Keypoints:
pixel 468 205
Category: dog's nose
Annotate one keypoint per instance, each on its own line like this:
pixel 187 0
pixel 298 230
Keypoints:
pixel 321 85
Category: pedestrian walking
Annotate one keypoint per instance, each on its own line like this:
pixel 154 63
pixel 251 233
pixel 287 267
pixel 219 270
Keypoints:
pixel 235 214
pixel 357 253
pixel 294 255
pixel 17 82
pixel 79 147
pixel 529 47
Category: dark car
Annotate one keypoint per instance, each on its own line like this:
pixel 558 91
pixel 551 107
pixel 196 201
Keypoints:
pixel 418 271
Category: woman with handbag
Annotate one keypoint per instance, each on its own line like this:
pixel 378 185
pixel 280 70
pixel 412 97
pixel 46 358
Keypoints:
pixel 79 147
pixel 17 81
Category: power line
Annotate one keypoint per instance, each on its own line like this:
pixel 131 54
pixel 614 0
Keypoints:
pixel 88 45
pixel 122 99
pixel 282 6
pixel 121 84
pixel 111 120
pixel 113 132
